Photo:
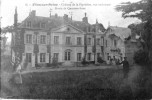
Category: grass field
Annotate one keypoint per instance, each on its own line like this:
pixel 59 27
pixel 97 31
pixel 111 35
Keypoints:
pixel 89 85
pixel 99 84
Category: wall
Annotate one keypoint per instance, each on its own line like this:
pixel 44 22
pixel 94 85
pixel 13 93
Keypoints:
pixel 29 48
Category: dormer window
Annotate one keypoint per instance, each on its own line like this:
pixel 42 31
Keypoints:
pixel 42 25
pixel 29 24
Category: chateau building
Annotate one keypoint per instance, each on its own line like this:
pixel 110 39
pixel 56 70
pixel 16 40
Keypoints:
pixel 43 40
pixel 40 41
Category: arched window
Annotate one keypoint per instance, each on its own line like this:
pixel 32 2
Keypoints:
pixel 67 55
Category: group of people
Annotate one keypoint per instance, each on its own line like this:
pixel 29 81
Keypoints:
pixel 114 62
pixel 125 64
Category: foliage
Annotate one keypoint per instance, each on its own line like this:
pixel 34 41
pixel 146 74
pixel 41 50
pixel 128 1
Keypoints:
pixel 100 60
pixel 6 70
pixel 143 11
pixel 8 29
pixel 84 62
pixel 136 29
pixel 141 58
pixel 3 40
pixel 6 63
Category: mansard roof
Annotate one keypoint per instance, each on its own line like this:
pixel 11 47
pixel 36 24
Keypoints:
pixel 56 21
pixel 67 28
pixel 53 22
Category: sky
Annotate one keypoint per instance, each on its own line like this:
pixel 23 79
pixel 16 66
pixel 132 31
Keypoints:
pixel 101 10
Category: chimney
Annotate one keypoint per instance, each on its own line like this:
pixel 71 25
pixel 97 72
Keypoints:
pixel 50 12
pixel 85 18
pixel 33 13
pixel 96 26
pixel 15 17
pixel 65 17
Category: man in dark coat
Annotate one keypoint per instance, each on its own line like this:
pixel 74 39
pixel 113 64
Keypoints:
pixel 125 67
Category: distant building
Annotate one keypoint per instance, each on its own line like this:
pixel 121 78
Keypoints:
pixel 118 44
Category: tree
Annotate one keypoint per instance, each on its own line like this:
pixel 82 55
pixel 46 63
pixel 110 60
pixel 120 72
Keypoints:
pixel 136 29
pixel 3 38
pixel 143 11
pixel 7 29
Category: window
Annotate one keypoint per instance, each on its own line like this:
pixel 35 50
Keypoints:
pixel 56 56
pixel 43 39
pixel 98 41
pixel 42 57
pixel 36 38
pixel 108 57
pixel 68 40
pixel 102 41
pixel 38 24
pixel 28 24
pixel 29 57
pixel 89 56
pixel 56 39
pixel 67 55
pixel 106 43
pixel 98 55
pixel 78 56
pixel 42 25
pixel 89 41
pixel 78 40
pixel 29 38
pixel 115 43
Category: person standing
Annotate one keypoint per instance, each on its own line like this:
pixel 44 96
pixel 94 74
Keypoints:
pixel 125 67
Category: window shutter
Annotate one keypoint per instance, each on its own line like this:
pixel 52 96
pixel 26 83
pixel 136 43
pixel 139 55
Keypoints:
pixel 48 39
pixel 24 38
pixel 34 39
pixel 47 57
pixel 38 39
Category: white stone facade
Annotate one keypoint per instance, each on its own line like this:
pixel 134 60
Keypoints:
pixel 29 47
pixel 56 49
pixel 61 47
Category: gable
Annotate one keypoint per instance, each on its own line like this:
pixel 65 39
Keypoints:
pixel 67 29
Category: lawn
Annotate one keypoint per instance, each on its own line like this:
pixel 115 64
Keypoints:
pixel 97 84
pixel 86 84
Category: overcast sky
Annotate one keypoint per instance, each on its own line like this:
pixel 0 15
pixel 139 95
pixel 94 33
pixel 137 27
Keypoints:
pixel 104 12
